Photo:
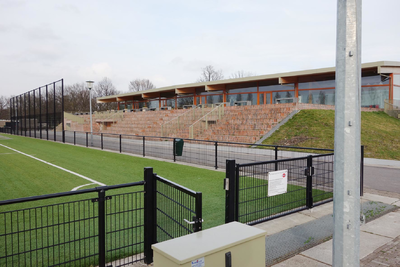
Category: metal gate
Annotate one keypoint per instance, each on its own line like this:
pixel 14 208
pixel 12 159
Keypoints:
pixel 108 225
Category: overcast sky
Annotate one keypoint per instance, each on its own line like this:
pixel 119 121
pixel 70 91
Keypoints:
pixel 169 42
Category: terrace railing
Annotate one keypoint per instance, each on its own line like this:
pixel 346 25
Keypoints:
pixel 392 108
pixel 202 123
pixel 183 121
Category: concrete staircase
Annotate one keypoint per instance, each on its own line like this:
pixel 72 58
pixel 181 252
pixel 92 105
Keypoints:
pixel 146 123
pixel 246 124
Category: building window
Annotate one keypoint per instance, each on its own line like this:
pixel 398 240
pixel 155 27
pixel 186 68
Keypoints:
pixel 183 101
pixel 318 84
pixel 375 80
pixel 322 97
pixel 374 96
pixel 283 97
pixel 396 87
pixel 237 99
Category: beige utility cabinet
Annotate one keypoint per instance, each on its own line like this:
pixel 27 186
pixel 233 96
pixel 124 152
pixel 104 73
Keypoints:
pixel 208 248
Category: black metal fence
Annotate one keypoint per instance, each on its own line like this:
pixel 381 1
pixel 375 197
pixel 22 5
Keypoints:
pixel 37 113
pixel 89 227
pixel 309 183
pixel 200 152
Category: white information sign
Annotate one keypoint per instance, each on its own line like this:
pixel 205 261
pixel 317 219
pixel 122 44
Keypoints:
pixel 277 182
pixel 198 263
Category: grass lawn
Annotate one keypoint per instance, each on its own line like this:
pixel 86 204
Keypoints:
pixel 380 133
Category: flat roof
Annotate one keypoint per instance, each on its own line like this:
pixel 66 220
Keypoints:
pixel 277 78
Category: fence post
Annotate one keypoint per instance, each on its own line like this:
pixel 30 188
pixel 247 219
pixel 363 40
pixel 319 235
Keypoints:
pixel 276 158
pixel 173 149
pixel 102 228
pixel 216 155
pixel 150 226
pixel 101 135
pixel 87 140
pixel 362 172
pixel 309 173
pixel 74 138
pixel 199 214
pixel 229 186
pixel 120 143
pixel 144 146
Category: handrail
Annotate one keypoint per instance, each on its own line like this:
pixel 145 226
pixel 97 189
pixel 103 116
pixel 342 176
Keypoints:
pixel 181 121
pixel 392 109
pixel 220 112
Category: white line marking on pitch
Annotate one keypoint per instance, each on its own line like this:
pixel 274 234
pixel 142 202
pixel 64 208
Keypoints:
pixel 76 188
pixel 58 167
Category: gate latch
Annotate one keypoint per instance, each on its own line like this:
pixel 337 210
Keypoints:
pixel 193 222
pixel 309 171
pixel 226 184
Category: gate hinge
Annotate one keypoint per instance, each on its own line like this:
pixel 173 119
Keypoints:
pixel 309 171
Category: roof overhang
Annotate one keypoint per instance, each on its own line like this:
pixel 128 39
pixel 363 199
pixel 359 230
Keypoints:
pixel 373 68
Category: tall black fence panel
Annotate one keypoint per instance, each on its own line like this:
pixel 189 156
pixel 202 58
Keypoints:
pixel 39 113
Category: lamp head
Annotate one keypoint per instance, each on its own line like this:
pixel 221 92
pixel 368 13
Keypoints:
pixel 89 84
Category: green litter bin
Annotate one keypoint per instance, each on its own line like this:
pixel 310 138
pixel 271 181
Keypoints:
pixel 178 147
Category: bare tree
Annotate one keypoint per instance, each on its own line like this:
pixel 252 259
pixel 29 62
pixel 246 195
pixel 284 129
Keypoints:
pixel 140 85
pixel 209 73
pixel 241 74
pixel 76 98
pixel 105 88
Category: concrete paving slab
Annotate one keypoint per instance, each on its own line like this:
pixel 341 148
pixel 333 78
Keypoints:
pixel 369 242
pixel 383 199
pixel 388 225
pixel 322 252
pixel 319 211
pixel 382 162
pixel 283 223
pixel 396 204
pixel 301 261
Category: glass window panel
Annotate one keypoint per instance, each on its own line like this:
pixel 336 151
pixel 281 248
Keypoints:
pixel 396 79
pixel 210 93
pixel 243 90
pixel 213 99
pixel 374 96
pixel 319 84
pixel 268 99
pixel 279 87
pixel 282 96
pixel 396 87
pixel 182 101
pixel 154 104
pixel 171 102
pixel 374 80
pixel 323 97
pixel 232 98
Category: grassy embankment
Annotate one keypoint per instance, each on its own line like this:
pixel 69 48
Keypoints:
pixel 380 133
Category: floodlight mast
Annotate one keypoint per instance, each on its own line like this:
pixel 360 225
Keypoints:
pixel 346 201
pixel 89 85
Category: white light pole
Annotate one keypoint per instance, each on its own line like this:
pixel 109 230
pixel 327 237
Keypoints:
pixel 89 85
